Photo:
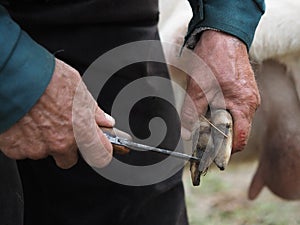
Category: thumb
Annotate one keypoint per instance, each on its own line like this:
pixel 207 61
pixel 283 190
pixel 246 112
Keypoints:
pixel 103 119
pixel 96 148
pixel 93 145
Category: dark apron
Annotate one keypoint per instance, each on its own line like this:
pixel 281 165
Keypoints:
pixel 11 196
pixel 78 32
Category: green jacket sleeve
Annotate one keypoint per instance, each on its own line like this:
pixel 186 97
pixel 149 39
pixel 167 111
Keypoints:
pixel 236 17
pixel 26 69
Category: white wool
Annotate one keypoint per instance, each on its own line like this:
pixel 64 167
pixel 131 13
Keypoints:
pixel 277 36
pixel 278 33
pixel 174 18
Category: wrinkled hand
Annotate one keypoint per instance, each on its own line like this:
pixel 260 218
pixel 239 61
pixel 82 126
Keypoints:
pixel 47 129
pixel 227 58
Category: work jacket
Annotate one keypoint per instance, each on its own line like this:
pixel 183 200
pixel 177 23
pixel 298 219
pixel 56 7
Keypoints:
pixel 26 67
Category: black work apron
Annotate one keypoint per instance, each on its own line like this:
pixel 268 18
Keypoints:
pixel 78 32
pixel 11 195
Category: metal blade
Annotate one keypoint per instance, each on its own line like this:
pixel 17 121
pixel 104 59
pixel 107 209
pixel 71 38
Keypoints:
pixel 141 147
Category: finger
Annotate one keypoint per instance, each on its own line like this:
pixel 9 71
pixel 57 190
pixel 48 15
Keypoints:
pixel 96 150
pixel 17 155
pixel 103 119
pixel 241 131
pixel 106 144
pixel 87 116
pixel 67 160
pixel 122 134
pixel 103 157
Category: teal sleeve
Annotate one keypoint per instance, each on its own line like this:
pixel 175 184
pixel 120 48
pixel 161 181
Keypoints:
pixel 236 17
pixel 26 69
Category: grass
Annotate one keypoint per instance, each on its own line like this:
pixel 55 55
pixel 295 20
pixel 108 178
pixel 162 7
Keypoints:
pixel 221 199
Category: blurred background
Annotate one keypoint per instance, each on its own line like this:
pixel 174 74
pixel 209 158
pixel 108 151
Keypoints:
pixel 222 198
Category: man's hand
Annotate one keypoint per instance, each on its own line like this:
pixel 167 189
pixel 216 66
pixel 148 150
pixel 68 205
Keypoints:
pixel 227 58
pixel 48 128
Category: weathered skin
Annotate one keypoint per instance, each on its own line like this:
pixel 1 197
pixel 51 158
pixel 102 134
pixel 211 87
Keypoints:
pixel 47 129
pixel 277 125
pixel 227 58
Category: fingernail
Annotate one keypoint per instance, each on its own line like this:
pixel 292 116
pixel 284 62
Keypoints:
pixel 186 134
pixel 110 118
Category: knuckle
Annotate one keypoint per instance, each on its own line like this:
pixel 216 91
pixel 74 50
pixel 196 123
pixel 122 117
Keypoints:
pixel 75 72
pixel 254 103
pixel 60 147
pixel 252 98
pixel 13 153
pixel 63 146
pixel 37 153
